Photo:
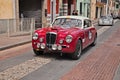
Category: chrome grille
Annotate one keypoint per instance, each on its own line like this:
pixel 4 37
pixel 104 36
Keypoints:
pixel 51 38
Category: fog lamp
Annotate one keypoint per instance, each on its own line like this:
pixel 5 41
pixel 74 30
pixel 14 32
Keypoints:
pixel 59 47
pixel 54 47
pixel 61 41
pixel 42 46
pixel 38 45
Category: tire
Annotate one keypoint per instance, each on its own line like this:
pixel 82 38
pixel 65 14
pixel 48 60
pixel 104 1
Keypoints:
pixel 76 55
pixel 37 52
pixel 95 41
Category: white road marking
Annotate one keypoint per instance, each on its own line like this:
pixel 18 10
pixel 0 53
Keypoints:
pixel 19 71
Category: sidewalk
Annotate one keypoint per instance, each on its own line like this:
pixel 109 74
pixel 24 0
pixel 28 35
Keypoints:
pixel 102 64
pixel 8 42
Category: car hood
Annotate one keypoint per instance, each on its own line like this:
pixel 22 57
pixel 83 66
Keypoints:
pixel 59 30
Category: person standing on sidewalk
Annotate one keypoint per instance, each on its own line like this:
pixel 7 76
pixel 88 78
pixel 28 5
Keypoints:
pixel 75 12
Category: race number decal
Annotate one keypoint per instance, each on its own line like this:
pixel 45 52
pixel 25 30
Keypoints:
pixel 83 40
pixel 90 35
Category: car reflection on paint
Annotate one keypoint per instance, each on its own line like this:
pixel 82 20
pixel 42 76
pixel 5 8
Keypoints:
pixel 67 35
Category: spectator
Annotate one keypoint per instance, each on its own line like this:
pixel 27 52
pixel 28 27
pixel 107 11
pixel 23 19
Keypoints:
pixel 75 12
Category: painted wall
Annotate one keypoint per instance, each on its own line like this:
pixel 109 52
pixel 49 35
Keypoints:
pixel 93 9
pixel 6 9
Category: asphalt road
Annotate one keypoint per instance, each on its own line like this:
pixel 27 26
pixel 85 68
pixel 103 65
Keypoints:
pixel 53 68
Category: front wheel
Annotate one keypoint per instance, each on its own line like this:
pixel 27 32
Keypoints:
pixel 37 52
pixel 76 55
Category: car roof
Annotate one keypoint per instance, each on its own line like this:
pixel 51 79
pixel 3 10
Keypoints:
pixel 74 17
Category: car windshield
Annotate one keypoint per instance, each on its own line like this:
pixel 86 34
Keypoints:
pixel 106 17
pixel 67 22
pixel 109 17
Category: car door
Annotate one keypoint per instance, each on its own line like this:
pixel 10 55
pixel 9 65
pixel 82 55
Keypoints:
pixel 88 32
pixel 91 33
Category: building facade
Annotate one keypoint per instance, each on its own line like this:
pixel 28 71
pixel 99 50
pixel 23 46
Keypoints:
pixel 15 9
pixel 58 8
pixel 117 6
pixel 83 7
pixel 6 9
pixel 93 9
pixel 100 9
pixel 44 11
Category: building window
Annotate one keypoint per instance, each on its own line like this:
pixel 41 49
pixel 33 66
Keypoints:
pixel 117 5
pixel 88 10
pixel 104 1
pixel 96 12
pixel 80 8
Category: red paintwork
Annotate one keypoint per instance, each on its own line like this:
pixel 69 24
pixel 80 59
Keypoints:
pixel 77 34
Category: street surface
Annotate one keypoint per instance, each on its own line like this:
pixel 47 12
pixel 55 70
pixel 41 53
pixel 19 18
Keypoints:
pixel 20 63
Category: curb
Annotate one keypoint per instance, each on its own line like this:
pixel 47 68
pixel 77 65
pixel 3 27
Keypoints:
pixel 14 45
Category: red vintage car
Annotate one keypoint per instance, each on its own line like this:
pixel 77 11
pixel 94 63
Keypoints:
pixel 67 35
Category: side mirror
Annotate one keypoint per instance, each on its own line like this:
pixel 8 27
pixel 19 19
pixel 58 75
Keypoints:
pixel 50 25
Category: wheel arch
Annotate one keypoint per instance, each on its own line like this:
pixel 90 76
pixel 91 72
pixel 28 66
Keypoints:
pixel 81 42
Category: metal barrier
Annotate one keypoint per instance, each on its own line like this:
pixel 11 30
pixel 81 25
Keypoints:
pixel 12 27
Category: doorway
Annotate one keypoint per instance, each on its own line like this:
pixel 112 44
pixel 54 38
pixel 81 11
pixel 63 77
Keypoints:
pixel 31 9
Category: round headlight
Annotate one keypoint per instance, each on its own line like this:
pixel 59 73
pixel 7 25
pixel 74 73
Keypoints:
pixel 69 38
pixel 35 36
